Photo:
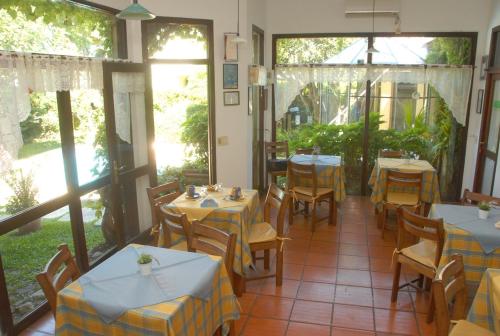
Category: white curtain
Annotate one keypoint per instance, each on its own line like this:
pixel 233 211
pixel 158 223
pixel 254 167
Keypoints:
pixel 21 74
pixel 452 83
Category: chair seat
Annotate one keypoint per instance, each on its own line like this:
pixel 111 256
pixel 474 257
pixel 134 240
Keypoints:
pixel 424 252
pixel 182 246
pixel 262 232
pixel 402 198
pixel 466 328
pixel 277 165
pixel 309 191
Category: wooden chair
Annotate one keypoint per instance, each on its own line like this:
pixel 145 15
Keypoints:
pixel 473 198
pixel 311 194
pixel 158 196
pixel 53 281
pixel 385 153
pixel 308 151
pixel 449 286
pixel 276 159
pixel 263 236
pixel 174 223
pixel 424 256
pixel 394 199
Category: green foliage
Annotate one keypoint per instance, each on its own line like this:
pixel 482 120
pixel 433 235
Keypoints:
pixel 310 50
pixel 449 50
pixel 195 133
pixel 35 148
pixel 145 259
pixel 484 206
pixel 43 121
pixel 24 191
pixel 159 34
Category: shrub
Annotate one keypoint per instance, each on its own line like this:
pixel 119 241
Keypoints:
pixel 24 191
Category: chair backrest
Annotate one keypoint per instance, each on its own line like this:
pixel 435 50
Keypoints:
pixel 449 285
pixel 173 223
pixel 304 172
pixel 215 242
pixel 159 195
pixel 412 225
pixel 277 150
pixel 475 198
pixel 52 280
pixel 401 179
pixel 385 153
pixel 308 151
pixel 278 200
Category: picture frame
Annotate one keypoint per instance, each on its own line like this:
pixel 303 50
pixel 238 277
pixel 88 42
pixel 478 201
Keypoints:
pixel 231 98
pixel 479 102
pixel 230 48
pixel 483 67
pixel 230 76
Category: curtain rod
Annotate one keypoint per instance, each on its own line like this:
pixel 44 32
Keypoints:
pixel 16 54
pixel 347 65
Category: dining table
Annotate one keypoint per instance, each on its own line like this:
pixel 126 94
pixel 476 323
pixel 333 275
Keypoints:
pixel 186 294
pixel 429 192
pixel 485 308
pixel 477 240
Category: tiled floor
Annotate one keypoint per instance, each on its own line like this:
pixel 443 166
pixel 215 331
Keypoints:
pixel 337 282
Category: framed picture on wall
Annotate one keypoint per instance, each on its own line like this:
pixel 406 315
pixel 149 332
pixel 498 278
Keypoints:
pixel 230 48
pixel 230 76
pixel 484 66
pixel 232 98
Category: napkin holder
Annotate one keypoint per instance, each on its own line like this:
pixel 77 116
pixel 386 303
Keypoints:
pixel 209 203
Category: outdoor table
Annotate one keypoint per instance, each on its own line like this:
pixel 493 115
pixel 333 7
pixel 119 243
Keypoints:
pixel 485 309
pixel 330 172
pixel 465 234
pixel 429 192
pixel 185 315
pixel 229 216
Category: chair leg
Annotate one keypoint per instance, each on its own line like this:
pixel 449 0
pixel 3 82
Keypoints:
pixel 279 267
pixel 254 257
pixel 313 217
pixel 383 219
pixel 420 282
pixel 267 258
pixel 232 328
pixel 306 209
pixel 432 307
pixel 290 212
pixel 333 211
pixel 395 282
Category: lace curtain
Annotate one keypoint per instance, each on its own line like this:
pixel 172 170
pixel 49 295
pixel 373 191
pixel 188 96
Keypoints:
pixel 452 83
pixel 21 74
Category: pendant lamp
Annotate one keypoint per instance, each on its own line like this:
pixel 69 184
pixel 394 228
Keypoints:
pixel 372 49
pixel 135 12
pixel 238 39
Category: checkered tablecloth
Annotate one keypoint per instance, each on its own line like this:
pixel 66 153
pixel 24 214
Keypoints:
pixel 183 316
pixel 237 219
pixel 378 179
pixel 485 309
pixel 330 173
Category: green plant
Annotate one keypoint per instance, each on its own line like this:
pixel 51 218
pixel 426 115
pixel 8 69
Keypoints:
pixel 145 259
pixel 484 206
pixel 195 132
pixel 24 191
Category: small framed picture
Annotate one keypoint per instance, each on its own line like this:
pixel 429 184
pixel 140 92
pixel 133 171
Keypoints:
pixel 230 48
pixel 230 74
pixel 232 98
pixel 484 66
pixel 480 97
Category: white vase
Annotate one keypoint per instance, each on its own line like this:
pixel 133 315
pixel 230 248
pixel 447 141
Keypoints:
pixel 483 214
pixel 146 269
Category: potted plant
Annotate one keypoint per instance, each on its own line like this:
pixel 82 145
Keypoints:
pixel 145 262
pixel 24 197
pixel 484 210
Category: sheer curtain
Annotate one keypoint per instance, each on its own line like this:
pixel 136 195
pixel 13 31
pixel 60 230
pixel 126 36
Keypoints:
pixel 451 82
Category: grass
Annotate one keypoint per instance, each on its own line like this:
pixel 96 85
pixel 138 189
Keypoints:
pixel 36 148
pixel 25 256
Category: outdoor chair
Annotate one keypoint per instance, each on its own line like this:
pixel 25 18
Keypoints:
pixel 385 153
pixel 158 196
pixel 308 151
pixel 276 159
pixel 473 198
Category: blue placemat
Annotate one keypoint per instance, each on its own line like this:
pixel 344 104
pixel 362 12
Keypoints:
pixel 116 285
pixel 321 160
pixel 466 218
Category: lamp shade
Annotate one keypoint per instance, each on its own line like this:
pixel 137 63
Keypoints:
pixel 135 12
pixel 239 40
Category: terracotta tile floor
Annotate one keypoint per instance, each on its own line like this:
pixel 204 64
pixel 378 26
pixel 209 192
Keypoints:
pixel 337 282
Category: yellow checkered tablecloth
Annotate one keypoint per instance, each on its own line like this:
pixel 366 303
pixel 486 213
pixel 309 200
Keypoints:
pixel 378 178
pixel 330 173
pixel 183 316
pixel 236 219
pixel 485 309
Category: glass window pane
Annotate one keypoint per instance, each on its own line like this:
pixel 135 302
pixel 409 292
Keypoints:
pixel 30 152
pixel 25 254
pixel 496 59
pixel 319 50
pixel 495 120
pixel 177 41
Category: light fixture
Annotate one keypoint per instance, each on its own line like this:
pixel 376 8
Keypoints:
pixel 238 39
pixel 135 12
pixel 372 49
pixel 397 25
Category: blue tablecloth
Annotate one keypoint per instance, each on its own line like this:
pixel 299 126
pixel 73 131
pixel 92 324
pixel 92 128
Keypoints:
pixel 466 218
pixel 116 285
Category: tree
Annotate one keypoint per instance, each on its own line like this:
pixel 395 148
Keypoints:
pixel 449 50
pixel 195 132
pixel 310 50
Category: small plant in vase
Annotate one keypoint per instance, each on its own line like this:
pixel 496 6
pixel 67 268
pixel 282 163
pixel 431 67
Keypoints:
pixel 484 210
pixel 145 262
